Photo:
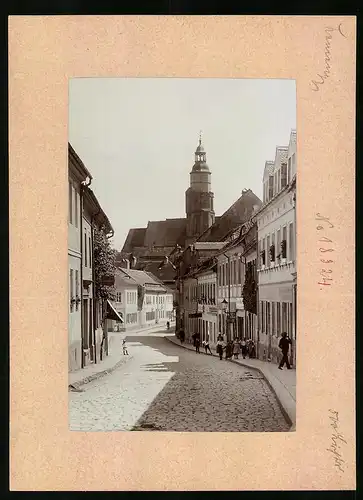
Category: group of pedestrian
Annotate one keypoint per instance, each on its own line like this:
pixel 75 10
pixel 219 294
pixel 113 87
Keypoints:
pixel 236 347
pixel 233 348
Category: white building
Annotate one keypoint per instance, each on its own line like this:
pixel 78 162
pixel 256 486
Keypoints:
pixel 276 246
pixel 200 308
pixel 142 300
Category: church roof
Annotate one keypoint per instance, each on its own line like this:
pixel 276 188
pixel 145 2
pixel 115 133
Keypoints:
pixel 165 233
pixel 162 233
pixel 135 238
pixel 236 214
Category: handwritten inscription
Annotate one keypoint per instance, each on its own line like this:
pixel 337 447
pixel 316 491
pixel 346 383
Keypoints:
pixel 325 250
pixel 320 78
pixel 336 441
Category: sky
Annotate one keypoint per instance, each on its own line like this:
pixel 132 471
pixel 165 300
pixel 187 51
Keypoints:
pixel 137 137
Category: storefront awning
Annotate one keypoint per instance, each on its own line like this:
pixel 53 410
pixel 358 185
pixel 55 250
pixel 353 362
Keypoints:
pixel 112 313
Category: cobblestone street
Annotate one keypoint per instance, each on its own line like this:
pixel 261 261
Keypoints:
pixel 166 388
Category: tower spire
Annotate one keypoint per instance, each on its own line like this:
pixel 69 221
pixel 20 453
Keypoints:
pixel 200 138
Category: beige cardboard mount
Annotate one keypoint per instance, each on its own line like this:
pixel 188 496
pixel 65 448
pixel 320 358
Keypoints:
pixel 44 53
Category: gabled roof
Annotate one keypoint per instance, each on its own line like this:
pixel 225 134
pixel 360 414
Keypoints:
pixel 99 214
pixel 122 280
pixel 269 169
pixel 165 273
pixel 142 278
pixel 75 162
pixel 280 156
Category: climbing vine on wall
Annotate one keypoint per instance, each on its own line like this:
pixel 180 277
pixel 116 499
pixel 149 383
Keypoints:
pixel 104 257
pixel 250 290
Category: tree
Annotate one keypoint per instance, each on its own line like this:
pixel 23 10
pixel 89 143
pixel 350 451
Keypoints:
pixel 250 290
pixel 104 258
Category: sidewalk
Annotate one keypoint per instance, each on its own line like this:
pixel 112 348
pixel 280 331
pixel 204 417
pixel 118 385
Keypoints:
pixel 110 362
pixel 281 382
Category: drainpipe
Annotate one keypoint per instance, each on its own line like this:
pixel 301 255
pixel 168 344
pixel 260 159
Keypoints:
pixel 94 287
pixel 84 184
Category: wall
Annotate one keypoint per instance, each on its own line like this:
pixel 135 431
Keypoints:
pixel 74 263
pixel 276 278
pixel 74 319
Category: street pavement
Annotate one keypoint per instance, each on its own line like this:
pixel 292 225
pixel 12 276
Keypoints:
pixel 165 388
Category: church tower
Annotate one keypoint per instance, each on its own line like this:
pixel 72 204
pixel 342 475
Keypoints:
pixel 199 197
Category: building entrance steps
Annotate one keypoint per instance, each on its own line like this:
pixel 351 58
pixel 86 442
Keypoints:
pixel 281 382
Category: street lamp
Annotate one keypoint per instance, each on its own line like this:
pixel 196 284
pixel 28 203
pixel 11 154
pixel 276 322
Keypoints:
pixel 224 305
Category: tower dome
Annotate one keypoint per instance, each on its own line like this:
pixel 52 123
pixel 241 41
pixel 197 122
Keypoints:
pixel 200 164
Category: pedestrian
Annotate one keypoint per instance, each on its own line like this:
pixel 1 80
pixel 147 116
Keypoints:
pixel 197 343
pixel 181 336
pixel 229 350
pixel 194 337
pixel 220 337
pixel 244 348
pixel 252 350
pixel 220 347
pixel 236 348
pixel 124 348
pixel 284 345
pixel 206 346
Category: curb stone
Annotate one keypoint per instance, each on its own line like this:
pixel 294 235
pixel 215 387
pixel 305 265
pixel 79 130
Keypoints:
pixel 282 408
pixel 95 376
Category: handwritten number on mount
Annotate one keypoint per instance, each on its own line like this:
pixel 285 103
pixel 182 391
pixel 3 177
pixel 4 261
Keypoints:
pixel 325 224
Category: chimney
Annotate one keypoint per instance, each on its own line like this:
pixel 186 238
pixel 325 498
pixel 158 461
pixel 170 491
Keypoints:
pixel 125 264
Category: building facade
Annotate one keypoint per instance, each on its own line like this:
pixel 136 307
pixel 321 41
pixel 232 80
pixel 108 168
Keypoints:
pixel 276 223
pixel 200 303
pixel 87 313
pixel 142 300
pixel 237 284
pixel 77 176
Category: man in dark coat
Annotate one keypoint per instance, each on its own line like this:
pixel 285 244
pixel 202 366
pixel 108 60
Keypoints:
pixel 284 345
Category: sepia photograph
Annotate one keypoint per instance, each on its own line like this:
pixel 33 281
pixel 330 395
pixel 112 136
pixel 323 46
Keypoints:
pixel 182 255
